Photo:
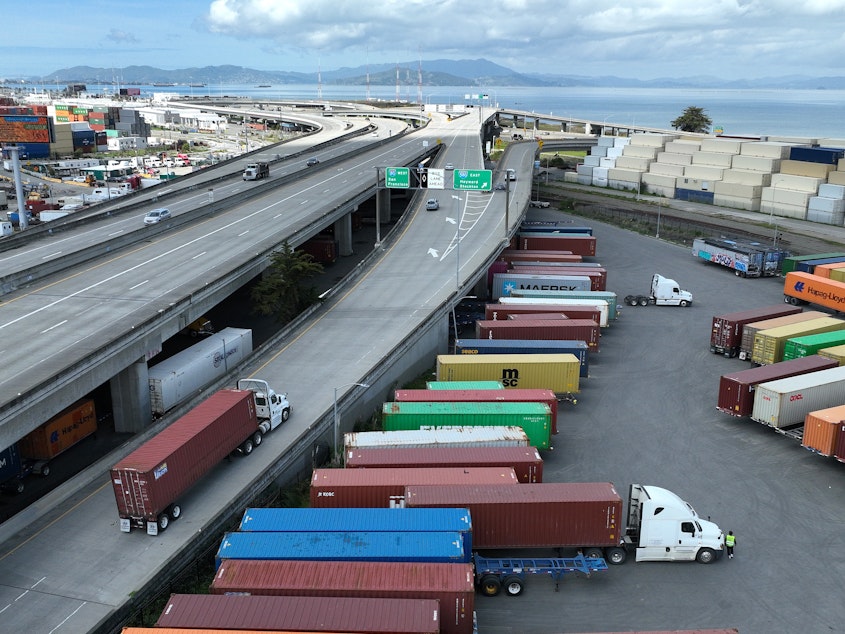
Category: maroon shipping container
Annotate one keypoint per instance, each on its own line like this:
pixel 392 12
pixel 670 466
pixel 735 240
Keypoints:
pixel 597 275
pixel 525 461
pixel 547 515
pixel 309 614
pixel 536 255
pixel 385 488
pixel 726 332
pixel 736 390
pixel 515 395
pixel 839 450
pixel 536 316
pixel 499 266
pixel 567 330
pixel 579 245
pixel 323 249
pixel 450 584
pixel 149 480
pixel 497 312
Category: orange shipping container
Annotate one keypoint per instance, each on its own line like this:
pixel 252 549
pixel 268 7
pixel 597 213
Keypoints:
pixel 804 287
pixel 821 429
pixel 825 270
pixel 60 432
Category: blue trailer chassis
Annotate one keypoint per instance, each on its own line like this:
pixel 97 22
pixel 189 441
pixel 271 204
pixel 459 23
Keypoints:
pixel 494 575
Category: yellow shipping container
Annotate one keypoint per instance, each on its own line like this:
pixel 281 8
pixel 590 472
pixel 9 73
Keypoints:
pixel 556 372
pixel 769 344
pixel 837 353
pixel 837 275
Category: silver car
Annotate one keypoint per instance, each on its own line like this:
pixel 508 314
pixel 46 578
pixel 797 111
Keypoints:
pixel 157 215
pixel 432 204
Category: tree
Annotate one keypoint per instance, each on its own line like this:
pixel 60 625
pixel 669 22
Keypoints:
pixel 281 291
pixel 693 119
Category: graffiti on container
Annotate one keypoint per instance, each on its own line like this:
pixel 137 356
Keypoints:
pixel 721 258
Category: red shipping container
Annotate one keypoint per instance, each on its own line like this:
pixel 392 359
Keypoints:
pixel 579 245
pixel 451 584
pixel 499 266
pixel 483 396
pixel 567 330
pixel 541 316
pixel 547 515
pixel 311 614
pixel 537 255
pixel 385 488
pixel 504 311
pixel 736 390
pixel 525 461
pixel 839 451
pixel 597 275
pixel 821 429
pixel 61 432
pixel 726 332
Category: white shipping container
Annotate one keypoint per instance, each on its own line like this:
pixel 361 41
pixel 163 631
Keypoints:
pixel 836 178
pixel 783 210
pixel 585 170
pixel 640 151
pixel 703 172
pixel 715 159
pixel 786 402
pixel 820 203
pixel 768 149
pixel 183 375
pixel 796 182
pixel 659 180
pixel 683 146
pixel 736 202
pixel 665 169
pixel 826 217
pixel 584 180
pixel 632 163
pixel 592 160
pixel 599 304
pixel 674 158
pixel 785 196
pixel 694 184
pixel 805 168
pixel 608 162
pixel 620 174
pixel 747 177
pixel 615 151
pixel 438 437
pixel 607 141
pixel 598 150
pixel 652 140
pixel 739 190
pixel 726 146
pixel 756 163
pixel 832 191
pixel 621 141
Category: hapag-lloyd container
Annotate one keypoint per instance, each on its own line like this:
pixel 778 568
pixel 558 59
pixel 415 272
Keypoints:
pixel 450 584
pixel 821 429
pixel 525 461
pixel 585 330
pixel 61 432
pixel 433 438
pixel 726 331
pixel 556 372
pixel 300 614
pixel 786 402
pixel 527 346
pixel 751 329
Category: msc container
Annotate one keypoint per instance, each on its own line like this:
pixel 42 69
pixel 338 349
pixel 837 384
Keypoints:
pixel 464 385
pixel 149 480
pixel 769 344
pixel 811 344
pixel 791 262
pixel 821 429
pixel 548 515
pixel 726 332
pixel 385 488
pixel 60 433
pixel 434 438
pixel 535 418
pixel 751 329
pixel 450 584
pixel 527 346
pixel 596 275
pixel 302 614
pixel 577 244
pixel 538 255
pixel 444 548
pixel 785 402
pixel 585 330
pixel 525 461
pixel 530 296
pixel 184 374
pixel 736 390
pixel 575 310
pixel 484 396
pixel 505 284
pixel 837 353
pixel 556 372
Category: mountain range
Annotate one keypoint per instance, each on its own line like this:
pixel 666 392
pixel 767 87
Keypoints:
pixel 439 72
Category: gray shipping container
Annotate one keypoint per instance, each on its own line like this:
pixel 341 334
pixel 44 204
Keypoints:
pixel 440 437
pixel 184 374
pixel 786 402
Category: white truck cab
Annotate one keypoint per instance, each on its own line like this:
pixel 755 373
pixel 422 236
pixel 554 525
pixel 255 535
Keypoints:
pixel 272 409
pixel 667 292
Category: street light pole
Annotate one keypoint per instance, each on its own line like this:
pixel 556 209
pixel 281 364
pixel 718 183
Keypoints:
pixel 336 416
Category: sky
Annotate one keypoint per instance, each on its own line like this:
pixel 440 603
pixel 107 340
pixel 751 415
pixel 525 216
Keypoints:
pixel 642 39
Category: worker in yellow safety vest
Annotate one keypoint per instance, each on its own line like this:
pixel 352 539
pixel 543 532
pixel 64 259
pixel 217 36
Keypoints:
pixel 730 542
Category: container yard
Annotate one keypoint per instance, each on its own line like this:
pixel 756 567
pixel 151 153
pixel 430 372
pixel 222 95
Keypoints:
pixel 750 330
pixel 769 344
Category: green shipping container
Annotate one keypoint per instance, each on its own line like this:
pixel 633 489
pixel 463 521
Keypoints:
pixel 769 344
pixel 811 344
pixel 790 263
pixel 464 385
pixel 534 418
pixel 837 353
pixel 559 373
pixel 608 296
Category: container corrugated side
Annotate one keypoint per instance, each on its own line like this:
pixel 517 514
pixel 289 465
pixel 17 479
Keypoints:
pixel 769 344
pixel 525 461
pixel 527 346
pixel 557 372
pixel 461 437
pixel 837 353
pixel 450 584
pixel 495 312
pixel 839 451
pixel 61 432
pixel 810 344
pixel 541 255
pixel 333 520
pixel 464 385
pixel 786 402
pixel 726 331
pixel 608 296
pixel 821 429
pixel 316 614
pixel 585 330
pixel 750 330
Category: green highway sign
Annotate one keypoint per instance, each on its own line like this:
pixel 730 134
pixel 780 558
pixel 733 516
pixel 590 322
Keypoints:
pixel 478 180
pixel 397 177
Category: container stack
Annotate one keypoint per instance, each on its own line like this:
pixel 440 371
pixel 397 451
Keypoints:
pixel 829 206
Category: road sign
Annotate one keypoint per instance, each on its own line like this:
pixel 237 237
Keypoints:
pixel 473 180
pixel 436 179
pixel 397 177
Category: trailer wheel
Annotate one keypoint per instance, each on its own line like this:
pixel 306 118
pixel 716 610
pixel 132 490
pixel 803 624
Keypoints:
pixel 163 521
pixel 643 301
pixel 593 553
pixel 513 586
pixel 285 414
pixel 257 438
pixel 490 585
pixel 705 556
pixel 632 301
pixel 247 447
pixel 175 512
pixel 616 555
pixel 15 487
pixel 684 303
pixel 45 471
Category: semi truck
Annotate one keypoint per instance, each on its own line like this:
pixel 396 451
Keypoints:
pixel 587 516
pixel 149 481
pixel 256 171
pixel 746 259
pixel 664 292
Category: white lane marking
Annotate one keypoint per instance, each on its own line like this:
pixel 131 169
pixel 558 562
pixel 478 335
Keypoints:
pixel 132 288
pixel 199 255
pixel 54 326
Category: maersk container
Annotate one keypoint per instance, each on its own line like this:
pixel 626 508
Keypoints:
pixel 597 276
pixel 529 296
pixel 63 431
pixel 525 461
pixel 556 372
pixel 475 396
pixel 385 488
pixel 301 614
pixel 432 547
pixel 751 329
pixel 10 469
pixel 435 438
pixel 736 390
pixel 184 374
pixel 450 584
pixel 535 418
pixel 821 429
pixel 791 262
pixel 496 312
pixel 548 515
pixel 769 344
pixel 585 330
pixel 538 255
pixel 785 402
pixel 464 385
pixel 579 245
pixel 148 482
pixel 505 284
pixel 726 332
pixel 812 344
pixel 527 346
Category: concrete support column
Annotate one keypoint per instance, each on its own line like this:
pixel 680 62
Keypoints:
pixel 130 395
pixel 343 234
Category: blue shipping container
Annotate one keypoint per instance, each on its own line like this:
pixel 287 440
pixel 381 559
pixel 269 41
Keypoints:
pixel 555 227
pixel 808 266
pixel 444 548
pixel 505 283
pixel 694 196
pixel 10 464
pixel 527 346
pixel 826 155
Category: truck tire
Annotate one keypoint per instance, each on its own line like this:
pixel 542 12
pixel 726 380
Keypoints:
pixel 247 447
pixel 705 556
pixel 513 586
pixel 257 438
pixel 16 486
pixel 643 301
pixel 593 553
pixel 631 300
pixel 684 303
pixel 285 414
pixel 163 522
pixel 45 470
pixel 175 512
pixel 616 556
pixel 490 585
